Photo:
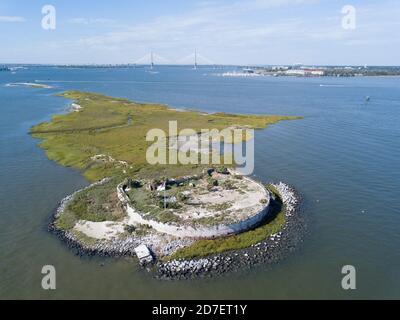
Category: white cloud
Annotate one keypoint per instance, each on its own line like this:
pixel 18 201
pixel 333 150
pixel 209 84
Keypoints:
pixel 11 19
pixel 203 26
pixel 227 33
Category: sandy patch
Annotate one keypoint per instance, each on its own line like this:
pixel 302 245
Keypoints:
pixel 100 230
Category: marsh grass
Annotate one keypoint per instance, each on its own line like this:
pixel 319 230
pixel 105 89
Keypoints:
pixel 118 127
pixel 97 204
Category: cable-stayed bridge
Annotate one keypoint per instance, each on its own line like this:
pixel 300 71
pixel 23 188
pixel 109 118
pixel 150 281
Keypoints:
pixel 195 59
pixel 152 59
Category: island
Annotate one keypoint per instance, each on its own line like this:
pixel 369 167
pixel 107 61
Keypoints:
pixel 181 221
pixel 29 84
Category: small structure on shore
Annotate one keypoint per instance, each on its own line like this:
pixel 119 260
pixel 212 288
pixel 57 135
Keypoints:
pixel 144 254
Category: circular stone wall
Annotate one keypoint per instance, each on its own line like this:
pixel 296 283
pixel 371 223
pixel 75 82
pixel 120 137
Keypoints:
pixel 248 220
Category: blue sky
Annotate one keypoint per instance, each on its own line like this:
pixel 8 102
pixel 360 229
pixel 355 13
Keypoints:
pixel 228 32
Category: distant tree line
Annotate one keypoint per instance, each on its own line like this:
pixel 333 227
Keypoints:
pixel 372 71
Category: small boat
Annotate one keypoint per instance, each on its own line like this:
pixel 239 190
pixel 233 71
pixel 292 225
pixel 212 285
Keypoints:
pixel 367 98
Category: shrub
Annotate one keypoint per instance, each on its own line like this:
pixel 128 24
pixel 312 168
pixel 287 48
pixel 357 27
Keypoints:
pixel 129 228
pixel 222 170
pixel 228 184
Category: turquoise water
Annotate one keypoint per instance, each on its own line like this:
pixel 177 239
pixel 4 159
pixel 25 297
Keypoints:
pixel 343 158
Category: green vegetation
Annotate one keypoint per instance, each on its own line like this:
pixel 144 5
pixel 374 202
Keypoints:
pixel 178 203
pixel 99 203
pixel 66 221
pixel 117 128
pixel 221 217
pixel 202 248
pixel 221 206
pixel 138 231
pixel 145 201
pixel 106 137
pixel 84 239
pixel 152 204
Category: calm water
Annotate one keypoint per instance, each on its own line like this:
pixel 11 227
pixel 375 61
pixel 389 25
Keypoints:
pixel 343 158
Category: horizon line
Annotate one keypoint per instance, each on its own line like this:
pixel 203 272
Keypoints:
pixel 188 64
